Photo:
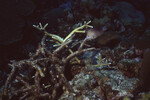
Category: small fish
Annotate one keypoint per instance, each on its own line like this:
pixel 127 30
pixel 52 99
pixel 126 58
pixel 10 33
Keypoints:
pixel 91 34
pixel 102 37
pixel 94 33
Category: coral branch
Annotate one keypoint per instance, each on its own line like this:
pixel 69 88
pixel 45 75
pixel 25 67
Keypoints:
pixel 25 83
pixel 61 47
pixel 76 53
pixel 78 29
pixel 37 84
pixel 9 78
pixel 82 44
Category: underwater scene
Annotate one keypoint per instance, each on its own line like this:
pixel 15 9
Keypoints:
pixel 75 50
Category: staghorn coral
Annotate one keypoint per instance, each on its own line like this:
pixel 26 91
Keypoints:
pixel 101 61
pixel 60 41
pixel 42 75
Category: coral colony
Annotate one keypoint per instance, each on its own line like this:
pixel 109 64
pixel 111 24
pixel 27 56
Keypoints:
pixel 42 65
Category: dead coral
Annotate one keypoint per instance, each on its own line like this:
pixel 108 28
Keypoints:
pixel 44 74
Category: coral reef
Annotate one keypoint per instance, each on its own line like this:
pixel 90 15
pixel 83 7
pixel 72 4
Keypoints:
pixel 62 58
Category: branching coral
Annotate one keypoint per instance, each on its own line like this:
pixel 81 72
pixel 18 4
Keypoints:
pixel 60 41
pixel 101 62
pixel 40 76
